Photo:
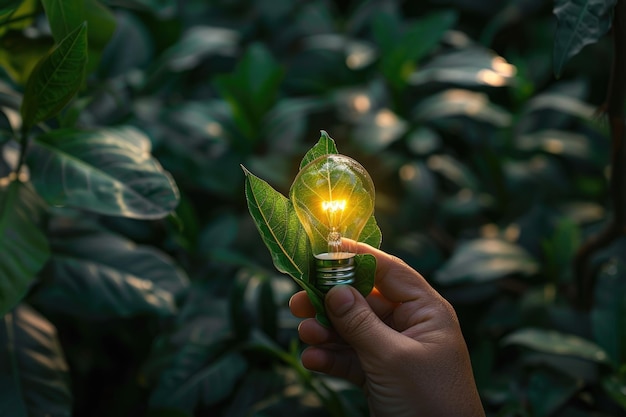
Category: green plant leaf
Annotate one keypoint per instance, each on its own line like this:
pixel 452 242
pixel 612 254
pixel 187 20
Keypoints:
pixel 615 387
pixel 283 235
pixel 371 233
pixel 30 352
pixel 97 274
pixel 64 16
pixel 580 23
pixel 205 385
pixel 401 53
pixel 23 246
pixel 547 391
pixel 56 79
pixel 252 89
pixel 365 273
pixel 108 171
pixel 482 260
pixel 325 146
pixel 279 227
pixel 556 343
pixel 608 316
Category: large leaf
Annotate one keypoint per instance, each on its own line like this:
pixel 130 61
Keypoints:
pixel 23 246
pixel 609 311
pixel 556 343
pixel 108 171
pixel 30 353
pixel 94 273
pixel 252 89
pixel 207 384
pixel 64 16
pixel 483 260
pixel 56 79
pixel 580 23
pixel 400 55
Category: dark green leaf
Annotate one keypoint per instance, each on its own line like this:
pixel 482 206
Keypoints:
pixel 482 260
pixel 609 311
pixel 547 391
pixel 56 79
pixel 252 89
pixel 94 273
pixel 580 23
pixel 326 145
pixel 205 386
pixel 8 6
pixel 31 353
pixel 399 56
pixel 64 16
pixel 23 246
pixel 616 387
pixel 556 343
pixel 108 171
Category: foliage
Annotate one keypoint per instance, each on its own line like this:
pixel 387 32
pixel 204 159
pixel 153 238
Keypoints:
pixel 133 280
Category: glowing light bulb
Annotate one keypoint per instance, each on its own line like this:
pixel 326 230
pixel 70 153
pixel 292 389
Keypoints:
pixel 333 197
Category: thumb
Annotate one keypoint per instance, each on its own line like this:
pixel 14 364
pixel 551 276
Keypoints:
pixel 355 321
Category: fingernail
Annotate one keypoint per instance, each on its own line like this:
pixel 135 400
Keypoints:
pixel 339 300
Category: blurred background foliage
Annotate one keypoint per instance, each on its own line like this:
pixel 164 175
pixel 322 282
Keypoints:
pixel 133 281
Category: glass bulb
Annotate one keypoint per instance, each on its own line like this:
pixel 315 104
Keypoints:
pixel 333 197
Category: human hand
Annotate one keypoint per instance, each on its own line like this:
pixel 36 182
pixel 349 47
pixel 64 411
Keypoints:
pixel 403 344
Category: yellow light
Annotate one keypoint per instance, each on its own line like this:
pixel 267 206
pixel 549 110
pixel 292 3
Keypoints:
pixel 333 206
pixel 333 197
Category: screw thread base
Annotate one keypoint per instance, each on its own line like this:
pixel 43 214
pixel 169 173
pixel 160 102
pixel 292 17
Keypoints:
pixel 331 272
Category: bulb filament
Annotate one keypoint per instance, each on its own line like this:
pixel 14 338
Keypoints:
pixel 334 209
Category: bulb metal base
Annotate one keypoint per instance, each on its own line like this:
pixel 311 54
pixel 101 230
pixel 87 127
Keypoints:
pixel 331 272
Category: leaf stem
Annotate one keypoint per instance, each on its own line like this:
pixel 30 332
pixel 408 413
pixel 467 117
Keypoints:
pixel 614 108
pixel 18 19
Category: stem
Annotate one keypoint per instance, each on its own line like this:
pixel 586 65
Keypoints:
pixel 18 19
pixel 614 107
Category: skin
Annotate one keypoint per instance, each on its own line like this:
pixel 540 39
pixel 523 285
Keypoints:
pixel 402 344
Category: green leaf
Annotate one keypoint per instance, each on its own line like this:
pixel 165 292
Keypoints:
pixel 30 352
pixel 547 391
pixel 556 343
pixel 279 227
pixel 185 388
pixel 64 16
pixel 482 260
pixel 283 235
pixel 252 89
pixel 97 274
pixel 580 23
pixel 615 387
pixel 365 273
pixel 371 233
pixel 107 171
pixel 609 311
pixel 401 55
pixel 56 79
pixel 23 246
pixel 325 146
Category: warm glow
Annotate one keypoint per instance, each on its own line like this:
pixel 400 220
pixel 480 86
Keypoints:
pixel 334 205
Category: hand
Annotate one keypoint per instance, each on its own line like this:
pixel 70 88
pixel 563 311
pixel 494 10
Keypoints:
pixel 402 344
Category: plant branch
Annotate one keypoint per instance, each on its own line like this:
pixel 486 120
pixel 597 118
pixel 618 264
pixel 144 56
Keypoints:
pixel 614 108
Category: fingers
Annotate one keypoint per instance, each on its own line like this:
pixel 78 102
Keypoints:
pixel 357 324
pixel 341 363
pixel 396 280
pixel 300 305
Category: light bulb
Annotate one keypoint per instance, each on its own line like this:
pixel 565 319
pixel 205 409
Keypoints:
pixel 333 197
